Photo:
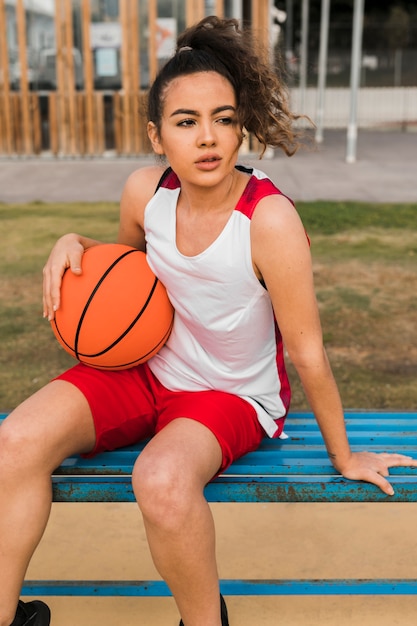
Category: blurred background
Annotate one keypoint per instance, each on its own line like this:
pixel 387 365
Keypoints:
pixel 73 73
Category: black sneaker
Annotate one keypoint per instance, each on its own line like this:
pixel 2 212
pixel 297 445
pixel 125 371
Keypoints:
pixel 35 613
pixel 223 608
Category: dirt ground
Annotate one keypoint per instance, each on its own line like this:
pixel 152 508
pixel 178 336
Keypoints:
pixel 254 540
pixel 369 319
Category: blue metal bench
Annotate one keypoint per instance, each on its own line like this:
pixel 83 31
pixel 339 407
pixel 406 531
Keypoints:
pixel 291 470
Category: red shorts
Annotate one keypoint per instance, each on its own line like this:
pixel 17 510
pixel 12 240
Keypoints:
pixel 131 405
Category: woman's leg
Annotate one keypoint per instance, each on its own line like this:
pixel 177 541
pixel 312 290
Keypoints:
pixel 45 429
pixel 169 478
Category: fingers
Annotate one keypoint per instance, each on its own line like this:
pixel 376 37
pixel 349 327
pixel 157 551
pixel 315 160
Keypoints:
pixel 398 460
pixel 371 475
pixel 65 255
pixel 374 468
pixel 52 280
pixel 382 462
pixel 377 479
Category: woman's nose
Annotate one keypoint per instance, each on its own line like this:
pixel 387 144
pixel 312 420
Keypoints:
pixel 207 136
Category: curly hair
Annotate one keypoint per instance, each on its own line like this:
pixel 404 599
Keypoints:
pixel 219 45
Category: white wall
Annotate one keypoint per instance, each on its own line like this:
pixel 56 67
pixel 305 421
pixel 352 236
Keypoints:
pixel 377 106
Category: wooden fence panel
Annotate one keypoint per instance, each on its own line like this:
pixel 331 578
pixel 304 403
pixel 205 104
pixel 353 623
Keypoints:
pixel 194 11
pixel 82 134
pixel 61 111
pixel 53 123
pixel 126 79
pixel 134 67
pixel 26 138
pixel 88 74
pixel 70 77
pixel 36 122
pixel 99 117
pixel 87 122
pixel 152 17
pixel 5 113
pixel 117 122
pixel 16 122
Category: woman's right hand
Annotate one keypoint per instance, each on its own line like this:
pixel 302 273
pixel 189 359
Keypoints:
pixel 66 254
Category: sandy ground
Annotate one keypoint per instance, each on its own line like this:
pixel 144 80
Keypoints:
pixel 107 541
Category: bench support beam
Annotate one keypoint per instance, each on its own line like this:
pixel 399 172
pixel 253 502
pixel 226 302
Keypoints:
pixel 267 587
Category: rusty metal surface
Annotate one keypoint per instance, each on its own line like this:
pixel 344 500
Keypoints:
pixel 296 469
pixel 268 587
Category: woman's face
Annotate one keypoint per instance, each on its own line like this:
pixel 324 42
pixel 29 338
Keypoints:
pixel 199 133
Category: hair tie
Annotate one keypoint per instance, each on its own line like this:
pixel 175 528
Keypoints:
pixel 184 49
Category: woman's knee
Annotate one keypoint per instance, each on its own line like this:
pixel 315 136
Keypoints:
pixel 163 495
pixel 18 451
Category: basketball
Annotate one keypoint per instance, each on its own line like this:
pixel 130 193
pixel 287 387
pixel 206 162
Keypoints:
pixel 116 314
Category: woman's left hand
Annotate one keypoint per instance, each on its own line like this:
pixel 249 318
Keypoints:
pixel 374 468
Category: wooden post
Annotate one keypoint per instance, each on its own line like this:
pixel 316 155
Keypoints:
pixel 61 109
pixel 99 102
pixel 194 11
pixel 134 75
pixel 88 77
pixel 152 17
pixel 80 104
pixel 5 113
pixel 117 123
pixel 36 121
pixel 16 119
pixel 260 25
pixel 24 87
pixel 145 143
pixel 53 122
pixel 220 8
pixel 126 83
pixel 70 78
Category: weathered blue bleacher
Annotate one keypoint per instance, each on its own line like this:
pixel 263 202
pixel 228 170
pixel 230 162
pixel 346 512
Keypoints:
pixel 296 469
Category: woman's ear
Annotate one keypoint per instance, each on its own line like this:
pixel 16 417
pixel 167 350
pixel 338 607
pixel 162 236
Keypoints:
pixel 154 138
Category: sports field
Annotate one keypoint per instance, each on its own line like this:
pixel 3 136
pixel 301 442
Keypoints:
pixel 365 265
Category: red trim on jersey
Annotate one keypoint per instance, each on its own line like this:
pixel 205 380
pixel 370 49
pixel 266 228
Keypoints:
pixel 169 180
pixel 255 190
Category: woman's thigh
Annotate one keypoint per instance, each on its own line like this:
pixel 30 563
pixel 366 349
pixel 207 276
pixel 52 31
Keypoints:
pixel 230 419
pixel 122 403
pixel 50 425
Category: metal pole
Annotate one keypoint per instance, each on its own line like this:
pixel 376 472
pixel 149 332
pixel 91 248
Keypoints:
pixel 237 9
pixel 321 85
pixel 289 25
pixel 271 38
pixel 355 70
pixel 304 53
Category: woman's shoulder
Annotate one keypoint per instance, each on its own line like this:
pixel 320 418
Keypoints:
pixel 144 181
pixel 138 190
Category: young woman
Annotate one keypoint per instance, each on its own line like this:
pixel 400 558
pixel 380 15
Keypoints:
pixel 234 257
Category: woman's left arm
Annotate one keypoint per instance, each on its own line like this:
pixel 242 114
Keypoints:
pixel 281 257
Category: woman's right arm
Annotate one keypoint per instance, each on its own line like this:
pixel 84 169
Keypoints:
pixel 68 251
pixel 66 254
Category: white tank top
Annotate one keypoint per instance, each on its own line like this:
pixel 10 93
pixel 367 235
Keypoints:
pixel 224 335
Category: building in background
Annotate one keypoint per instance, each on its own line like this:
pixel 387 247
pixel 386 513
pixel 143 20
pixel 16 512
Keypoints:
pixel 74 73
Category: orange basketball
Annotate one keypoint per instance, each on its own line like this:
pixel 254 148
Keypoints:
pixel 116 314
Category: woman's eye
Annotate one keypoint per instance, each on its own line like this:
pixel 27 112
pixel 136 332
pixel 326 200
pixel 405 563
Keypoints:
pixel 226 120
pixel 223 121
pixel 186 123
pixel 230 120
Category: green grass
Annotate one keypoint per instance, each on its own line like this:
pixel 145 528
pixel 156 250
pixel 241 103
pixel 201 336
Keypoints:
pixel 366 281
pixel 330 218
